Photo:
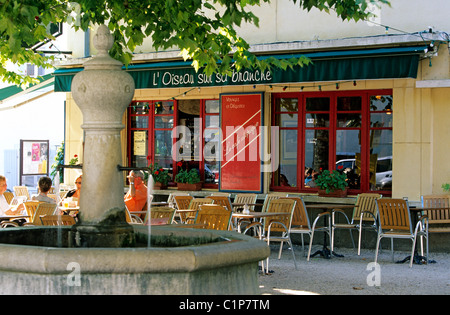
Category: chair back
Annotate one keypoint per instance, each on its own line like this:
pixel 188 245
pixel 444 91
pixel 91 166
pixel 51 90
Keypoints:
pixel 43 209
pixel 280 205
pixel 223 201
pixel 441 216
pixel 21 191
pixel 30 207
pixel 9 196
pixel 221 194
pixel 160 215
pixel 245 198
pixel 394 214
pixel 300 216
pixel 214 216
pixel 183 202
pixel 132 218
pixel 267 199
pixel 368 203
pixel 196 202
pixel 53 220
pixel 171 198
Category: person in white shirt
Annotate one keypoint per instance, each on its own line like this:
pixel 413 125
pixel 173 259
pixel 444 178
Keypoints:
pixel 5 208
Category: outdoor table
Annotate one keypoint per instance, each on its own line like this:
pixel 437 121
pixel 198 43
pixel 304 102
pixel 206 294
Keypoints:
pixel 418 259
pixel 328 207
pixel 179 211
pixel 69 210
pixel 252 215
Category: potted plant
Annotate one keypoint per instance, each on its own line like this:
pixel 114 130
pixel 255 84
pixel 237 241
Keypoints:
pixel 160 176
pixel 332 184
pixel 188 180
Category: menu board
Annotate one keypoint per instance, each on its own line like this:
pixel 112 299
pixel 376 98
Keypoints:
pixel 34 157
pixel 241 116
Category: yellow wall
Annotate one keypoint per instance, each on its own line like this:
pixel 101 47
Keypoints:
pixel 420 132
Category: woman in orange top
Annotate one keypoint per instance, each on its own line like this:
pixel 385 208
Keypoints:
pixel 136 197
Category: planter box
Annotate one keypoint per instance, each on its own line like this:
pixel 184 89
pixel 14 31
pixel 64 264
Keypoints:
pixel 335 193
pixel 159 186
pixel 186 186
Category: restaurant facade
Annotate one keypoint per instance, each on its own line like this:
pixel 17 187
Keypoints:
pixel 374 107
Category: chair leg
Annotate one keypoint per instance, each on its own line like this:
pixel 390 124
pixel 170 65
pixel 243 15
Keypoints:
pixel 376 248
pixel 392 249
pixel 293 253
pixel 359 240
pixel 310 245
pixel 303 244
pixel 281 249
pixel 412 251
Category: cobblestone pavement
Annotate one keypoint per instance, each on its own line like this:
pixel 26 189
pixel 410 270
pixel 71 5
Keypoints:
pixel 354 275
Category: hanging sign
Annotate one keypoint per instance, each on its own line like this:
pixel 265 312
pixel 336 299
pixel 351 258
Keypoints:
pixel 241 116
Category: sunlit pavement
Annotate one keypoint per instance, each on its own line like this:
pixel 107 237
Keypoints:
pixel 354 275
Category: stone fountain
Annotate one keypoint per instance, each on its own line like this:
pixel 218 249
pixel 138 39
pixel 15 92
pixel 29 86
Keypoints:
pixel 103 254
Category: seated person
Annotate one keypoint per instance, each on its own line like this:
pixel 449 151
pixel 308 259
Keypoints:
pixel 5 208
pixel 136 197
pixel 75 193
pixel 45 183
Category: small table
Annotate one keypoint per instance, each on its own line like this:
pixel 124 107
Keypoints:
pixel 252 215
pixel 325 252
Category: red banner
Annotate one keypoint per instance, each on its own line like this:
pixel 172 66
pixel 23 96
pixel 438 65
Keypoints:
pixel 240 120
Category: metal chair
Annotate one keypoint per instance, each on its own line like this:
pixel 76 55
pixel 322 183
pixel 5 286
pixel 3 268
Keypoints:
pixel 223 201
pixel 364 217
pixel 160 215
pixel 214 217
pixel 21 191
pixel 395 222
pixel 245 199
pixel 438 220
pixel 42 209
pixel 9 196
pixel 279 224
pixel 182 202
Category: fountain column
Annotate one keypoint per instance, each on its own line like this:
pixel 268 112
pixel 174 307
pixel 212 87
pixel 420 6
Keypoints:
pixel 102 91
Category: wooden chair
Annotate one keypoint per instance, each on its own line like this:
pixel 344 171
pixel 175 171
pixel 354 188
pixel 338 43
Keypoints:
pixel 395 222
pixel 245 198
pixel 160 215
pixel 364 217
pixel 42 209
pixel 171 198
pixel 223 201
pixel 132 218
pixel 280 224
pixel 30 207
pixel 9 196
pixel 438 220
pixel 215 217
pixel 21 191
pixel 182 203
pixel 268 198
pixel 221 194
pixel 55 220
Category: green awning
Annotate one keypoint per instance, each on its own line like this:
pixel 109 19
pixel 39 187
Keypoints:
pixel 14 90
pixel 365 64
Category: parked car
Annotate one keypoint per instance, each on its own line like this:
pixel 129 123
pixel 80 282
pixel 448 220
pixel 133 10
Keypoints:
pixel 383 173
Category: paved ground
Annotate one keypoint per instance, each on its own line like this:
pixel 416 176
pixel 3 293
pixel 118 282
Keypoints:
pixel 353 274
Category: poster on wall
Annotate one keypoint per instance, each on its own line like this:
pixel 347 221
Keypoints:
pixel 241 116
pixel 34 158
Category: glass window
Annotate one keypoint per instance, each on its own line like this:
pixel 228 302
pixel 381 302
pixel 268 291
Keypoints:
pixel 212 106
pixel 317 104
pixel 349 133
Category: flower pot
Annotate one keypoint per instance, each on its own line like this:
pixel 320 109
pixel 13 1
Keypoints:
pixel 339 193
pixel 159 186
pixel 186 186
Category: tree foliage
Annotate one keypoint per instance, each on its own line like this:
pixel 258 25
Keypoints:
pixel 203 30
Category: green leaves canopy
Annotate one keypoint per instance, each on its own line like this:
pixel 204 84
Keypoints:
pixel 204 30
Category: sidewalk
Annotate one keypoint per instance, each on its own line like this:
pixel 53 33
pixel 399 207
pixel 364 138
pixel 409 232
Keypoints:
pixel 352 274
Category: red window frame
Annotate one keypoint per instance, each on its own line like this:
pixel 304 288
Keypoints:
pixel 365 130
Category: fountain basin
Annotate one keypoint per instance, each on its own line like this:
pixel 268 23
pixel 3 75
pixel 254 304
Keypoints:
pixel 180 261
